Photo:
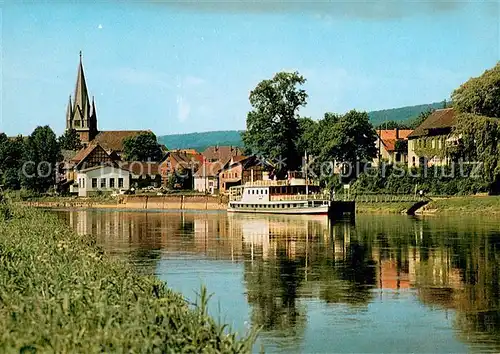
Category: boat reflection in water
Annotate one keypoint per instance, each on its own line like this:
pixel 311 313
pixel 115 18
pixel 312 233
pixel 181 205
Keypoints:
pixel 385 284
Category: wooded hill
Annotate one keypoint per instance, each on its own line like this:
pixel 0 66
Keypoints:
pixel 200 141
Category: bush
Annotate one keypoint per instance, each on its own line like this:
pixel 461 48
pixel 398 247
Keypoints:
pixel 60 293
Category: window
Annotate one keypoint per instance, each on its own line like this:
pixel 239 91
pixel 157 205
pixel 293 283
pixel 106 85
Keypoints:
pixel 440 144
pixel 77 124
pixel 120 182
pixel 94 182
pixel 111 183
pixel 433 143
pixel 249 191
pixel 235 175
pixel 103 182
pixel 253 191
pixel 83 182
pixel 265 191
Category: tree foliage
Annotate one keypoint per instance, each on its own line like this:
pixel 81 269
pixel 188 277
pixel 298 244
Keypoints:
pixel 480 141
pixel 41 154
pixel 70 140
pixel 347 138
pixel 272 124
pixel 142 147
pixel 480 95
pixel 11 157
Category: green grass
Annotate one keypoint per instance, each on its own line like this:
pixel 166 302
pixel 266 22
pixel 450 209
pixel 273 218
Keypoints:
pixel 383 208
pixel 469 204
pixel 60 293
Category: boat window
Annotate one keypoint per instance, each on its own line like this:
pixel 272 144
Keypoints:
pixel 249 191
pixel 253 192
pixel 266 191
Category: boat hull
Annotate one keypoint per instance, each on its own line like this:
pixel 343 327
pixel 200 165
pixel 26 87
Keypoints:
pixel 319 210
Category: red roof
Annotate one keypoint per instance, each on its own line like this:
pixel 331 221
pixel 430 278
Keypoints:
pixel 112 140
pixel 221 153
pixel 209 169
pixel 387 134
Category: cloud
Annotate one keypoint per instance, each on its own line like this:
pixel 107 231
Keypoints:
pixel 183 109
pixel 381 9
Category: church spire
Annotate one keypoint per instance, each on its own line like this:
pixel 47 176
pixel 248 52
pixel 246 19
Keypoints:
pixel 69 113
pixel 81 93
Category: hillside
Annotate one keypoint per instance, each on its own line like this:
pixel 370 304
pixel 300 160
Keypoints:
pixel 401 114
pixel 200 141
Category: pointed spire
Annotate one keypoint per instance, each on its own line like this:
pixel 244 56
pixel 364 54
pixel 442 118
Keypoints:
pixel 81 93
pixel 69 114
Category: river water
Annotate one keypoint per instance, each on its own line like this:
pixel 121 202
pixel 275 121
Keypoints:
pixel 382 284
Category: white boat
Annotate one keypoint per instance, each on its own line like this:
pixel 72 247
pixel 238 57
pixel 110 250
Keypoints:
pixel 293 196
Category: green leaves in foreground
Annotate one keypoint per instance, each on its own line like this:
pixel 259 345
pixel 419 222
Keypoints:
pixel 60 293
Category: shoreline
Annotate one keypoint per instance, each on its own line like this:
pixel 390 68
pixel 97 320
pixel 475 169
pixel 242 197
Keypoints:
pixel 68 295
pixel 489 205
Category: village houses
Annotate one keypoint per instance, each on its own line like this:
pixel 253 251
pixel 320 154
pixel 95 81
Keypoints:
pixel 429 143
pixel 391 146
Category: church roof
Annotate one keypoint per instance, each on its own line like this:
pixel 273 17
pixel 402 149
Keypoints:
pixel 221 153
pixel 112 140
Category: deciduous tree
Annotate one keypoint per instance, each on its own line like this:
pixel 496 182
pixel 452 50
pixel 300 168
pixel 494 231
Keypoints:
pixel 41 154
pixel 480 95
pixel 142 147
pixel 272 124
pixel 70 140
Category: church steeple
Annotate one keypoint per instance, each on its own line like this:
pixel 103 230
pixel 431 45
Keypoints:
pixel 80 114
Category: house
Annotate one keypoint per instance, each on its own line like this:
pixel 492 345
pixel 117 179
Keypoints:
pixel 206 179
pixel 391 145
pixel 102 179
pixel 182 165
pixel 242 169
pixel 428 144
pixel 221 153
pixel 143 174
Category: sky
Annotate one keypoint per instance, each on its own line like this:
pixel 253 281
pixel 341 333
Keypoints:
pixel 179 67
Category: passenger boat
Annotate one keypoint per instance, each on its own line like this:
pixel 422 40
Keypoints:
pixel 293 196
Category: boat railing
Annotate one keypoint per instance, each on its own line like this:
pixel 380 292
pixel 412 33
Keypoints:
pixel 275 198
pixel 269 183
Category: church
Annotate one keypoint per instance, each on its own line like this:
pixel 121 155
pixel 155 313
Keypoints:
pixel 81 115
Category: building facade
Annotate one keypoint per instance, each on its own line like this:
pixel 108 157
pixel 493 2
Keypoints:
pixel 102 179
pixel 429 144
pixel 391 146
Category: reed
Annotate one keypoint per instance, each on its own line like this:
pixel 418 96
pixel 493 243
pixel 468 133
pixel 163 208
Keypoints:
pixel 60 293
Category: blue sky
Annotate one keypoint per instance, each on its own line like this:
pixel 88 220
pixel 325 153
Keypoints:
pixel 177 67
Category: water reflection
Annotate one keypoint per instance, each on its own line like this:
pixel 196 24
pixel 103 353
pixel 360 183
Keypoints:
pixel 302 277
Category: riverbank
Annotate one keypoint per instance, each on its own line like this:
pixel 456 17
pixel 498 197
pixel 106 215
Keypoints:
pixel 153 202
pixel 383 208
pixel 467 204
pixel 60 293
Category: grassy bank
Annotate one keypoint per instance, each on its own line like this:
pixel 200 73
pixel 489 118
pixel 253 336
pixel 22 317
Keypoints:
pixel 383 208
pixel 60 293
pixel 469 204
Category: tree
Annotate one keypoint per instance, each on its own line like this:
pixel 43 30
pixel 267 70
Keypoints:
pixel 142 147
pixel 307 141
pixel 41 154
pixel 347 138
pixel 272 124
pixel 480 142
pixel 392 124
pixel 480 95
pixel 70 140
pixel 11 157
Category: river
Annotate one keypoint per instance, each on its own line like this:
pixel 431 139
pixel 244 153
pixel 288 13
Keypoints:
pixel 386 283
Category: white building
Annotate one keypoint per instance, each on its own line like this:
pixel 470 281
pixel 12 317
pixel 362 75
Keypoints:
pixel 105 179
pixel 206 179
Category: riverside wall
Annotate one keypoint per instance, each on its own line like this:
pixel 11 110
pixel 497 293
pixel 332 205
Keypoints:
pixel 147 202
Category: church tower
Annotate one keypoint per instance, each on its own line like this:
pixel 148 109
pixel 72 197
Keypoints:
pixel 81 114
